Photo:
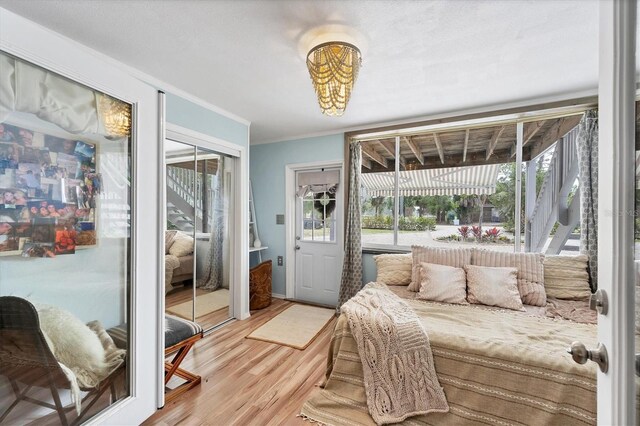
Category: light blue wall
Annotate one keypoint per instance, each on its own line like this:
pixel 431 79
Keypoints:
pixel 191 116
pixel 267 166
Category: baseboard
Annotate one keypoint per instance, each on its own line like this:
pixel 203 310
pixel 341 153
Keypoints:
pixel 278 296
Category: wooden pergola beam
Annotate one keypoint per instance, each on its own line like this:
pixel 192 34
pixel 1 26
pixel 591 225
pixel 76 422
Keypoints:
pixel 531 131
pixel 494 141
pixel 436 138
pixel 369 152
pixel 415 149
pixel 466 145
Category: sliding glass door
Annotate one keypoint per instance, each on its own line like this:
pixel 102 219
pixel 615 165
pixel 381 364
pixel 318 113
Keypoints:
pixel 78 139
pixel 198 264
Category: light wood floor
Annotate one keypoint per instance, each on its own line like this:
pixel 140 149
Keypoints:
pixel 246 381
pixel 184 293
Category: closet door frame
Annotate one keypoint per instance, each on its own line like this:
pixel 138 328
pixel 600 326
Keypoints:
pixel 240 242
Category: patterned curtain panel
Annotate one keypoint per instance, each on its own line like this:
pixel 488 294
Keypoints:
pixel 588 176
pixel 212 278
pixel 352 268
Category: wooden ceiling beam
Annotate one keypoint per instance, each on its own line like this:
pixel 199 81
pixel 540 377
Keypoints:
pixel 372 154
pixel 366 163
pixel 390 148
pixel 415 149
pixel 531 131
pixel 466 145
pixel 436 138
pixel 456 160
pixel 494 141
pixel 555 132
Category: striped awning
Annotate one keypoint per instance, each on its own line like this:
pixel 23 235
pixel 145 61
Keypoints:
pixel 470 180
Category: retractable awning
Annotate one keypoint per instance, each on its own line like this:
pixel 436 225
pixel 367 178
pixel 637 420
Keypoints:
pixel 471 180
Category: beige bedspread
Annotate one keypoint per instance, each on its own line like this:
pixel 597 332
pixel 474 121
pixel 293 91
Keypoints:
pixel 496 367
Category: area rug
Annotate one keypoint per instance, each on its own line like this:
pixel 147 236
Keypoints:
pixel 205 304
pixel 296 326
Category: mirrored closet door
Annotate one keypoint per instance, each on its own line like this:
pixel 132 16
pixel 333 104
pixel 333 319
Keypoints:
pixel 198 265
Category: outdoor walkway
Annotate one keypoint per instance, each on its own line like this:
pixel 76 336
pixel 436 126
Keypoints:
pixel 430 238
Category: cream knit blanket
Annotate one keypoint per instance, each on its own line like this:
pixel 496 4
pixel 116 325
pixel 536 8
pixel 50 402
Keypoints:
pixel 399 376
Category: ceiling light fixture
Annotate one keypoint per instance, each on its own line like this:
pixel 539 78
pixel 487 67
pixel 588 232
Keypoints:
pixel 116 116
pixel 333 67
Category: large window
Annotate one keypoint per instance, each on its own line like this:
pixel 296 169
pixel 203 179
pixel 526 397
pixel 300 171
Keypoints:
pixel 458 186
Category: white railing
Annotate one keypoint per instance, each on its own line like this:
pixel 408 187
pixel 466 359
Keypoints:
pixel 186 184
pixel 553 193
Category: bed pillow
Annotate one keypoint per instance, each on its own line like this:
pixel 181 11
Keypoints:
pixel 182 245
pixel 567 277
pixel 530 268
pixel 169 237
pixel 393 269
pixel 455 257
pixel 493 286
pixel 73 344
pixel 442 283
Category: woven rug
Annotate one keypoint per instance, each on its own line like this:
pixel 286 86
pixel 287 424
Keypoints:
pixel 205 304
pixel 296 326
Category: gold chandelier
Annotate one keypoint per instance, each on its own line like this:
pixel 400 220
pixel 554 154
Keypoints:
pixel 333 68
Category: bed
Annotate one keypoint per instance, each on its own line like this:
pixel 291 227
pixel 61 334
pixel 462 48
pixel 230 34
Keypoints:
pixel 496 366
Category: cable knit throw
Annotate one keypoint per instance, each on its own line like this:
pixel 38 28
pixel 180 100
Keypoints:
pixel 399 376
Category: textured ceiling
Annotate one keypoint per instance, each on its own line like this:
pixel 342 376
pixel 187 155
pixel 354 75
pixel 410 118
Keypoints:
pixel 421 57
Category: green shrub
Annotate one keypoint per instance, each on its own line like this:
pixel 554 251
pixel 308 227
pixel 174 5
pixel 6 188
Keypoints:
pixel 404 223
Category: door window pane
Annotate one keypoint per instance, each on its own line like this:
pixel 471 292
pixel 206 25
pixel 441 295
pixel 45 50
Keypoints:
pixel 65 244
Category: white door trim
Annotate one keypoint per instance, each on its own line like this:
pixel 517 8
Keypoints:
pixel 290 216
pixel 240 245
pixel 616 174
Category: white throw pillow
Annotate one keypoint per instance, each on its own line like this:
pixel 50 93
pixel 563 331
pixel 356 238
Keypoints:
pixel 530 268
pixel 442 283
pixel 73 344
pixel 182 245
pixel 393 269
pixel 456 257
pixel 493 286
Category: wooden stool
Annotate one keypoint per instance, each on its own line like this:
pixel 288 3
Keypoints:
pixel 260 286
pixel 179 336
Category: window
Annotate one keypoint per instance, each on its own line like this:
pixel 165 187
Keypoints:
pixel 457 186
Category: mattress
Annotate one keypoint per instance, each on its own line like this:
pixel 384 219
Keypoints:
pixel 496 367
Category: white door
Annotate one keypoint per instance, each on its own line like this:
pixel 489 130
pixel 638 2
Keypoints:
pixel 319 248
pixel 616 211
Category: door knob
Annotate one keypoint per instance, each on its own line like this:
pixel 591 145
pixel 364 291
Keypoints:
pixel 298 237
pixel 599 302
pixel 581 355
pixel 297 247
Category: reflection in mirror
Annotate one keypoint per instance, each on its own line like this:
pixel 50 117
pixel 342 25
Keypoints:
pixel 180 230
pixel 213 271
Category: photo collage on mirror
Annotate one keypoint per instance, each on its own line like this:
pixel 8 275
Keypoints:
pixel 48 192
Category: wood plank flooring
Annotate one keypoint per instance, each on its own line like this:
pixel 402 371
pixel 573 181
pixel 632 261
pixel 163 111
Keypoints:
pixel 246 381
